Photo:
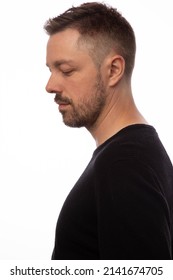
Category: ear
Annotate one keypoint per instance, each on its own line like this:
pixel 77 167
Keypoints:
pixel 116 71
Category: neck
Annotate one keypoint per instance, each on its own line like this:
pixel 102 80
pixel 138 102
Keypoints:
pixel 119 112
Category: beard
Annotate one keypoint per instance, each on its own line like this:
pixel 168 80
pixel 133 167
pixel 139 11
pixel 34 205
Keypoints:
pixel 86 112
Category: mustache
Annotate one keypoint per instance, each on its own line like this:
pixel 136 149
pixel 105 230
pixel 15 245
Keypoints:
pixel 59 99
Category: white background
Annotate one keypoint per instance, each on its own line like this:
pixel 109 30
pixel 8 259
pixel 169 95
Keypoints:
pixel 40 158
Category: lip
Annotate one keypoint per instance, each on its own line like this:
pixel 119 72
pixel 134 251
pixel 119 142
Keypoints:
pixel 63 105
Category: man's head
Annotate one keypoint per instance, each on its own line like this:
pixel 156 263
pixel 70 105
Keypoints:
pixel 90 49
pixel 102 29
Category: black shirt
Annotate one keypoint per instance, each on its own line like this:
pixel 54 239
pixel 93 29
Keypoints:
pixel 122 205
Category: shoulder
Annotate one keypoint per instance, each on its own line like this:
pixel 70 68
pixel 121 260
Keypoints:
pixel 138 144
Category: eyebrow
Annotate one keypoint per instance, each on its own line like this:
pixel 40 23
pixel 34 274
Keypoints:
pixel 58 63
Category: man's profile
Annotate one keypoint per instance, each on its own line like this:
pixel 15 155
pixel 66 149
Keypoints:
pixel 122 205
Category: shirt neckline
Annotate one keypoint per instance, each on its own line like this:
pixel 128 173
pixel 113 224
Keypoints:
pixel 130 127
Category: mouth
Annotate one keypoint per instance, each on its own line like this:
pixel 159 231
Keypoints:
pixel 62 107
pixel 62 103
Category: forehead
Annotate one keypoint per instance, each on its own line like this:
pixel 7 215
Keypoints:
pixel 66 37
pixel 64 45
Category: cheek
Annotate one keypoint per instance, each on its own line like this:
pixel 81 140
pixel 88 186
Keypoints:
pixel 80 89
pixel 81 85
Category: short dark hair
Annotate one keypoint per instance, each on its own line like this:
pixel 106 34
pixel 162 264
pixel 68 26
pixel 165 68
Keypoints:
pixel 101 25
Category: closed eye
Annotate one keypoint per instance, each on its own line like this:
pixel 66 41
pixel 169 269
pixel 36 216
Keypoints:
pixel 67 72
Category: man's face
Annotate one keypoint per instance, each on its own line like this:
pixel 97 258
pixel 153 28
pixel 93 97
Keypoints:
pixel 74 79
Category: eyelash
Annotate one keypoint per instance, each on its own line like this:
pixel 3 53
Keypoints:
pixel 67 73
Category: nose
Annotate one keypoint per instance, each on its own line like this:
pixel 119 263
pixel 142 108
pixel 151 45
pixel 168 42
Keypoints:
pixel 52 85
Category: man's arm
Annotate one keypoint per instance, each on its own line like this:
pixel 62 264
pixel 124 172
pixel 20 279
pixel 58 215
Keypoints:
pixel 133 216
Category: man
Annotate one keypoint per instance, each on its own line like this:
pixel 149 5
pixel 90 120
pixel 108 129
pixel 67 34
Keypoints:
pixel 122 205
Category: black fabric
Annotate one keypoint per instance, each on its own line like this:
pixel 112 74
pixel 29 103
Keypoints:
pixel 122 205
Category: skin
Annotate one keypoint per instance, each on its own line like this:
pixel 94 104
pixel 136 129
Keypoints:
pixel 98 99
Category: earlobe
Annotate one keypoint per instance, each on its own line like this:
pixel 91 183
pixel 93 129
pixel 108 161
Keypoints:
pixel 117 68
